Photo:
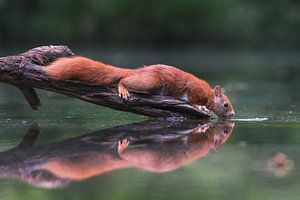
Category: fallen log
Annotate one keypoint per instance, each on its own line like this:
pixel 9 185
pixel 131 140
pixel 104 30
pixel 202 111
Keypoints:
pixel 25 71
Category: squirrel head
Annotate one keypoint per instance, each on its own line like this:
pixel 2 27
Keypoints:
pixel 222 106
pixel 221 132
pixel 215 134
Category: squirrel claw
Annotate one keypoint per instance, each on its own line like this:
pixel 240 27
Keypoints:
pixel 122 145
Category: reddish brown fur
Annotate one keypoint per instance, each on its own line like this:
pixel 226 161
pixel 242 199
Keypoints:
pixel 154 79
pixel 84 69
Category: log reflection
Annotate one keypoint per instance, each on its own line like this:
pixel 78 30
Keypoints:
pixel 155 146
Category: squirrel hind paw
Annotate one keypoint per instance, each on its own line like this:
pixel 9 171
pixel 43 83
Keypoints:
pixel 122 145
pixel 123 92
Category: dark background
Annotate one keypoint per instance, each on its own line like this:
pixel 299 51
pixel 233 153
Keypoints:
pixel 155 23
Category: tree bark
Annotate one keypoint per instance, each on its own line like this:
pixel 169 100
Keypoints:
pixel 25 71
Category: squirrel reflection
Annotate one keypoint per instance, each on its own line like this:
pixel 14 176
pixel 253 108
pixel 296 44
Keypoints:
pixel 153 146
pixel 168 156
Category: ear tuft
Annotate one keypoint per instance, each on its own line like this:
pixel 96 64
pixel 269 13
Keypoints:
pixel 218 91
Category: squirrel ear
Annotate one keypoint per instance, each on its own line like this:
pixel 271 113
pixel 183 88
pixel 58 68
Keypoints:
pixel 218 91
pixel 217 143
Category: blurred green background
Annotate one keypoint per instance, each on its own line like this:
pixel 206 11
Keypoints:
pixel 230 23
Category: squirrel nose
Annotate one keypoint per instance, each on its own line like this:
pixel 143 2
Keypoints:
pixel 232 113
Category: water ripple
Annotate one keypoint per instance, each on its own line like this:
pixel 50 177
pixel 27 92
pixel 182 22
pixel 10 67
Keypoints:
pixel 256 119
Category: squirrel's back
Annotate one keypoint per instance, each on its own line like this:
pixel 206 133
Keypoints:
pixel 163 79
pixel 85 69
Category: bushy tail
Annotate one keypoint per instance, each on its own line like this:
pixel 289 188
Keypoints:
pixel 76 68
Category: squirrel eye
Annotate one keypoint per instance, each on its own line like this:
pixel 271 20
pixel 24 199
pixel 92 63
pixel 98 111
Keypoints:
pixel 225 132
pixel 226 105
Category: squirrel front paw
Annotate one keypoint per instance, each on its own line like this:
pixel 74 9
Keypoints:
pixel 202 108
pixel 202 128
pixel 123 92
pixel 122 145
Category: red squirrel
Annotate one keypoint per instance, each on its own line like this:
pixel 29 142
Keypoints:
pixel 154 79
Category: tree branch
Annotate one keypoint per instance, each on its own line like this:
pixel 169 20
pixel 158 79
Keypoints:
pixel 25 71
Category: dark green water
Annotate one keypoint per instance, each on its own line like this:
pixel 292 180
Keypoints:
pixel 75 154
